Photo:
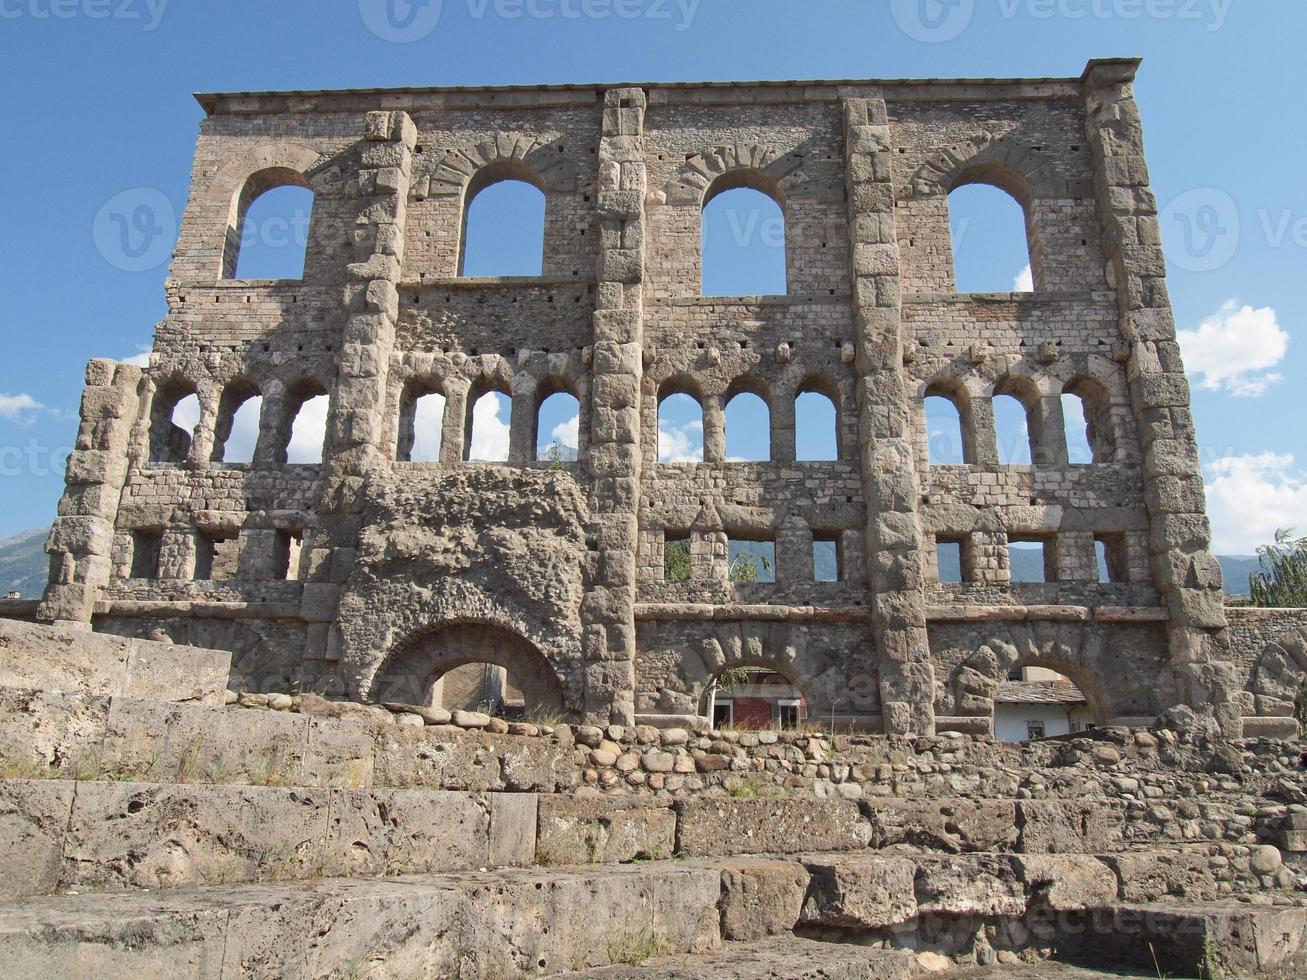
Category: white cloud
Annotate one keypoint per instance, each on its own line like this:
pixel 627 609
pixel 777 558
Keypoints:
pixel 141 360
pixel 568 433
pixel 1234 349
pixel 489 431
pixel 18 406
pixel 244 432
pixel 428 428
pixel 309 431
pixel 1249 498
pixel 680 443
pixel 186 413
pixel 1025 281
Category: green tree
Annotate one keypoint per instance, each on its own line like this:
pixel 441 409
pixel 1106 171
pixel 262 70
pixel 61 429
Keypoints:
pixel 676 561
pixel 744 566
pixel 1282 580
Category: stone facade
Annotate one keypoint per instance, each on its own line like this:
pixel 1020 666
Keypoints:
pixel 369 577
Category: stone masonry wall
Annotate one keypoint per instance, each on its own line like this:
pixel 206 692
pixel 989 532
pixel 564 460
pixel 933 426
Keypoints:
pixel 367 573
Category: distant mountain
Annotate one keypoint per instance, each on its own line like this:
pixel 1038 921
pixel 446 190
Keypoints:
pixel 24 566
pixel 1027 565
pixel 1236 570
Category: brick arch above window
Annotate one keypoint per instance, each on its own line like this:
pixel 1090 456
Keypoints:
pixel 729 166
pixel 509 156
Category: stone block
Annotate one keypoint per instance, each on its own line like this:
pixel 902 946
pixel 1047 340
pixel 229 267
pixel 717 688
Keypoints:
pixel 951 825
pixel 718 827
pixel 860 892
pixel 1067 882
pixel 1069 826
pixel 604 831
pixel 404 831
pixel 135 835
pixel 761 898
pixel 513 829
pixel 972 884
pixel 34 815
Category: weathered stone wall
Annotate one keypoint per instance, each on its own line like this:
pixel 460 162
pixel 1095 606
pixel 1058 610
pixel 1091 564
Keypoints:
pixel 404 570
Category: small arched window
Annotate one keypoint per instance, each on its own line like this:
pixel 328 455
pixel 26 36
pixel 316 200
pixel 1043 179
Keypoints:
pixel 680 428
pixel 307 405
pixel 174 419
pixel 743 237
pixel 1087 411
pixel 236 431
pixel 489 417
pixel 268 231
pixel 421 423
pixel 949 439
pixel 748 428
pixel 558 428
pixel 503 224
pixel 1012 430
pixel 991 235
pixel 816 427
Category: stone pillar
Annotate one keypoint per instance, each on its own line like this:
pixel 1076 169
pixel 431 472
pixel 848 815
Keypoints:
pixel 80 543
pixel 714 429
pixel 521 426
pixel 781 410
pixel 1187 575
pixel 907 684
pixel 979 436
pixel 356 425
pixel 452 431
pixel 608 609
pixel 794 564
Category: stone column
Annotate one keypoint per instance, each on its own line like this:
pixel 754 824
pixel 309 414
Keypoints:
pixel 979 437
pixel 1187 575
pixel 80 543
pixel 889 477
pixel 357 425
pixel 714 429
pixel 608 609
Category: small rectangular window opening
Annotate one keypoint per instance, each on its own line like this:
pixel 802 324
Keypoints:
pixel 751 560
pixel 1109 550
pixel 951 559
pixel 827 557
pixel 676 558
pixel 147 547
pixel 1032 560
pixel 287 564
pixel 216 556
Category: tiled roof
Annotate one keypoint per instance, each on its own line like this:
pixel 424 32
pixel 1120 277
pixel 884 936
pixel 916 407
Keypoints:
pixel 1038 692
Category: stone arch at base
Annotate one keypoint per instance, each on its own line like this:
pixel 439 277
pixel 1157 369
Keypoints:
pixel 415 666
pixel 976 680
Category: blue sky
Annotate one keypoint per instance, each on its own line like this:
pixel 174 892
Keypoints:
pixel 98 103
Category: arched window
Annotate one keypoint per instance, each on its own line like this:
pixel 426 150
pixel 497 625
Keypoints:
pixel 1087 409
pixel 488 418
pixel 503 224
pixel 558 428
pixel 306 433
pixel 421 423
pixel 748 429
pixel 948 425
pixel 991 242
pixel 268 231
pixel 1013 431
pixel 174 419
pixel 1035 703
pixel 236 431
pixel 743 229
pixel 680 429
pixel 816 427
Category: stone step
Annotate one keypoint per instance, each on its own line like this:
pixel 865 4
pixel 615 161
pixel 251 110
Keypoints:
pixel 501 924
pixel 81 662
pixel 59 836
pixel 779 958
pixel 91 737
